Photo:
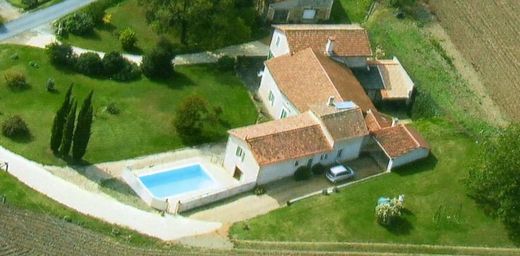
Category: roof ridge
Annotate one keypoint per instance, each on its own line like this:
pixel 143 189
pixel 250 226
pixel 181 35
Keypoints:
pixel 284 131
pixel 326 73
pixel 405 127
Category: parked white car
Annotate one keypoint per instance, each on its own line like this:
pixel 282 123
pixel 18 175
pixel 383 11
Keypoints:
pixel 339 173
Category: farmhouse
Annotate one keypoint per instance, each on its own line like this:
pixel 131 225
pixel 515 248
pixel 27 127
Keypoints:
pixel 299 11
pixel 323 113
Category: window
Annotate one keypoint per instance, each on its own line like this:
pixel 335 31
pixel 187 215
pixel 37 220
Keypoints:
pixel 309 14
pixel 324 156
pixel 283 114
pixel 277 41
pixel 340 152
pixel 296 163
pixel 239 151
pixel 271 98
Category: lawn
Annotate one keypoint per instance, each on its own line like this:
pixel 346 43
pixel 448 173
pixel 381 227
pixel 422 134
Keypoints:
pixel 350 11
pixel 437 208
pixel 145 124
pixel 127 14
pixel 19 195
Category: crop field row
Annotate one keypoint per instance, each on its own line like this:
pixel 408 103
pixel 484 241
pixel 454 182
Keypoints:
pixel 487 34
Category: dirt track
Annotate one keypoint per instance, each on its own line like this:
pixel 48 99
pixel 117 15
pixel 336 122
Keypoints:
pixel 487 33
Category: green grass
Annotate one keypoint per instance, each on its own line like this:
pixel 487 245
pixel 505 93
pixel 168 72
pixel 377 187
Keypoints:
pixel 21 196
pixel 437 208
pixel 145 124
pixel 350 11
pixel 19 4
pixel 127 14
pixel 443 91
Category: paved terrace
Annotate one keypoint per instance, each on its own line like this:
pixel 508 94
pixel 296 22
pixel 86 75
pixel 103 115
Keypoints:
pixel 103 207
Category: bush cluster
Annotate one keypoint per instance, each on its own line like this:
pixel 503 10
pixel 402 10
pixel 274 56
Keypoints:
pixel 79 23
pixel 387 213
pixel 302 173
pixel 83 22
pixel 15 80
pixel 113 65
pixel 128 39
pixel 157 64
pixel 15 127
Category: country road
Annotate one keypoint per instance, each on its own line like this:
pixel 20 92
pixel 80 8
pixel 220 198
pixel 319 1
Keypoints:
pixel 34 19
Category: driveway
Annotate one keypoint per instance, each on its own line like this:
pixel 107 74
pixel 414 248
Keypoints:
pixel 40 17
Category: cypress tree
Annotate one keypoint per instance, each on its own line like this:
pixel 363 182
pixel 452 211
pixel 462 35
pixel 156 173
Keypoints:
pixel 68 130
pixel 59 121
pixel 83 129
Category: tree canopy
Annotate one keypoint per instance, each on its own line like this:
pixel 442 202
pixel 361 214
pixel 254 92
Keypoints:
pixel 203 23
pixel 494 180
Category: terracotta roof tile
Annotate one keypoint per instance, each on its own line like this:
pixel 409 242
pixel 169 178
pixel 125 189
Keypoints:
pixel 349 40
pixel 342 124
pixel 399 140
pixel 284 139
pixel 309 78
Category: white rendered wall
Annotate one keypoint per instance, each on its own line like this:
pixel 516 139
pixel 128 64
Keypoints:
pixel 280 101
pixel 248 166
pixel 282 47
pixel 409 157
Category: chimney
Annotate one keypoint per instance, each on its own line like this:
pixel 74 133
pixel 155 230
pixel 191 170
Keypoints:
pixel 330 101
pixel 329 48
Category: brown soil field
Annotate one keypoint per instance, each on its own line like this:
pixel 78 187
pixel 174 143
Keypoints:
pixel 487 33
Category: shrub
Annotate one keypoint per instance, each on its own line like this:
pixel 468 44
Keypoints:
pixel 128 39
pixel 79 23
pixel 302 173
pixel 259 190
pixel 158 63
pixel 15 127
pixel 30 4
pixel 15 80
pixel 226 63
pixel 318 169
pixel 191 117
pixel 113 109
pixel 60 54
pixel 387 213
pixel 120 69
pixel 129 72
pixel 50 85
pixel 113 62
pixel 89 63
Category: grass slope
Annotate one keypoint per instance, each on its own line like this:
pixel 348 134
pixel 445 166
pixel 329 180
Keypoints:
pixel 144 125
pixel 437 209
pixel 127 14
pixel 442 90
pixel 41 4
pixel 350 11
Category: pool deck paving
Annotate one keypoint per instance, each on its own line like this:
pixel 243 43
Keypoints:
pixel 166 228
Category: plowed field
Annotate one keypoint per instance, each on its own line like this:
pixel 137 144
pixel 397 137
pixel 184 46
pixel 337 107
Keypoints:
pixel 488 35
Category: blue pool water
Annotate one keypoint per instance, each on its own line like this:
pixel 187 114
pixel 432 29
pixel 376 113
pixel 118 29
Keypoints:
pixel 177 181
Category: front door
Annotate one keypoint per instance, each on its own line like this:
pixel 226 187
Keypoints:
pixel 309 163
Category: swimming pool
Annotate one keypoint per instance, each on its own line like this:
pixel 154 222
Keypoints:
pixel 177 181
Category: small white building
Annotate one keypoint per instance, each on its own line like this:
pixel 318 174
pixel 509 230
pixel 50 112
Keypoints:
pixel 347 44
